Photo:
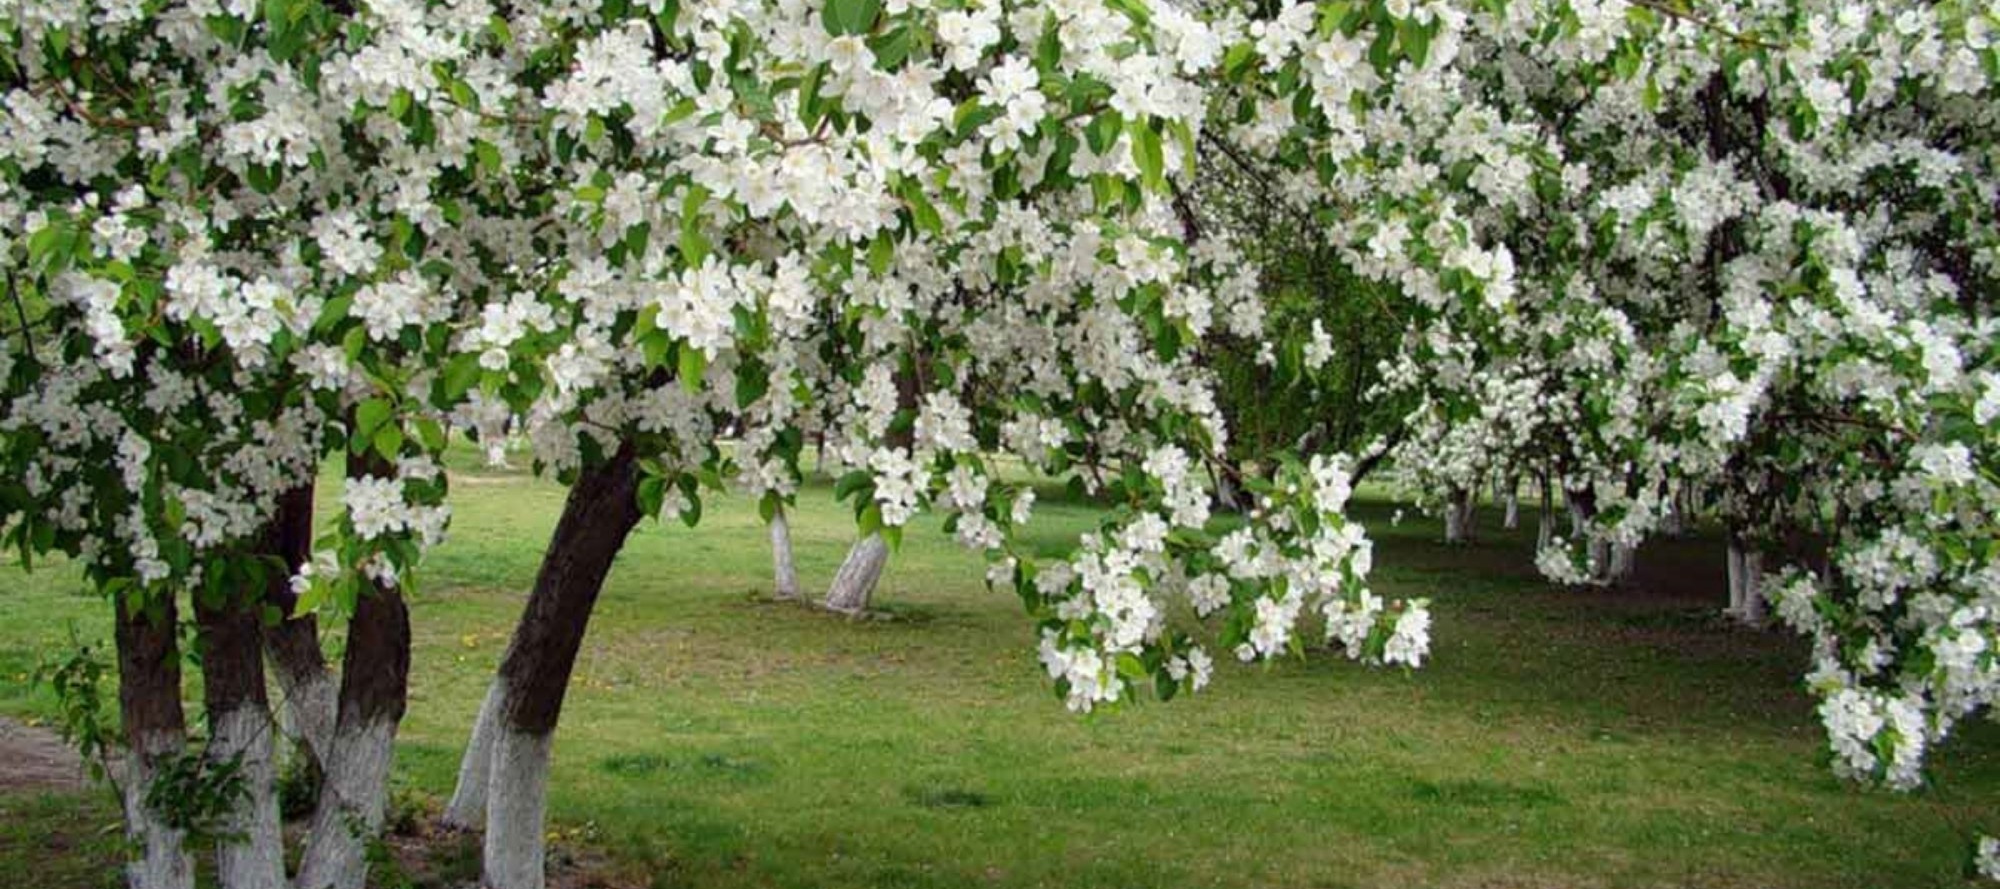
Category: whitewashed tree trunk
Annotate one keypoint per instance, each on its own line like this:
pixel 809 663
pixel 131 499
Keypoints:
pixel 1512 519
pixel 600 512
pixel 374 690
pixel 307 714
pixel 251 852
pixel 1545 520
pixel 785 573
pixel 1734 557
pixel 854 584
pixel 253 857
pixel 310 692
pixel 1753 588
pixel 155 727
pixel 1674 523
pixel 160 859
pixel 353 797
pixel 516 798
pixel 1621 563
pixel 1746 583
pixel 467 809
pixel 1459 514
pixel 1582 508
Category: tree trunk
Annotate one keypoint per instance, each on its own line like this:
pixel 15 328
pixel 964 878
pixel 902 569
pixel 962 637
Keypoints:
pixel 1545 523
pixel 149 705
pixel 1753 588
pixel 854 585
pixel 1622 564
pixel 467 809
pixel 293 644
pixel 785 573
pixel 374 689
pixel 251 855
pixel 1512 521
pixel 534 675
pixel 1458 516
pixel 1674 523
pixel 1582 508
pixel 1746 582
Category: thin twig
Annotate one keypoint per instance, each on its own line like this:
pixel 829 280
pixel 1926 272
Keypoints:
pixel 1709 24
pixel 21 310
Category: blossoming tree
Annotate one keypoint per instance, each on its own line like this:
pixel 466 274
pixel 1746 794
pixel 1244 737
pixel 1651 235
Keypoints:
pixel 1633 246
pixel 621 227
pixel 1749 246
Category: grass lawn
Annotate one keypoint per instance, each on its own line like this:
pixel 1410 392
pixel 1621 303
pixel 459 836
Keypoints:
pixel 1559 739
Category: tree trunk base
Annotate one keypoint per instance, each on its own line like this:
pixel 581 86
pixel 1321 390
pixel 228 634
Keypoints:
pixel 160 859
pixel 352 804
pixel 255 857
pixel 854 585
pixel 785 579
pixel 513 852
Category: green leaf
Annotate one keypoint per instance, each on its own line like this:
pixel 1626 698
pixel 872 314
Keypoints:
pixel 694 245
pixel 432 434
pixel 891 48
pixel 370 415
pixel 851 482
pixel 1103 131
pixel 652 495
pixel 923 214
pixel 849 16
pixel 489 156
pixel 1149 154
pixel 881 252
pixel 693 363
pixel 389 441
pixel 461 373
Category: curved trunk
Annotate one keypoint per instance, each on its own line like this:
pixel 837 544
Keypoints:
pixel 149 706
pixel 1458 516
pixel 467 809
pixel 310 694
pixel 251 854
pixel 374 689
pixel 600 513
pixel 785 573
pixel 854 584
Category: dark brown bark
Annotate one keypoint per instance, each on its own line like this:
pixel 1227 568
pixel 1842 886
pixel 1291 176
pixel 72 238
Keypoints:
pixel 232 663
pixel 375 674
pixel 149 674
pixel 602 510
pixel 294 642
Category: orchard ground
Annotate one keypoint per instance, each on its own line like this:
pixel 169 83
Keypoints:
pixel 715 738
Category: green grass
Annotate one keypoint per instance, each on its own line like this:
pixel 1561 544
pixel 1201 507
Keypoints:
pixel 715 739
